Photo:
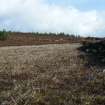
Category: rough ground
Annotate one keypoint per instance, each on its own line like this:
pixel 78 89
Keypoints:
pixel 45 75
pixel 32 58
pixel 44 66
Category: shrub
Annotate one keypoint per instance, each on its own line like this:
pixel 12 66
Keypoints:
pixel 95 52
pixel 3 35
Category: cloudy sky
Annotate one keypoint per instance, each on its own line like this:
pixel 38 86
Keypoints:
pixel 84 17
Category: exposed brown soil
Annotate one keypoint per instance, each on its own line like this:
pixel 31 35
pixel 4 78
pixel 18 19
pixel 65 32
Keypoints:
pixel 21 39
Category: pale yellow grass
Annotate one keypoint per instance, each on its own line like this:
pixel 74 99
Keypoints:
pixel 28 71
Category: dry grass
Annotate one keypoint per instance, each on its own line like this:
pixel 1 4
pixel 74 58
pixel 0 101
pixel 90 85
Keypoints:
pixel 43 75
pixel 32 58
pixel 39 67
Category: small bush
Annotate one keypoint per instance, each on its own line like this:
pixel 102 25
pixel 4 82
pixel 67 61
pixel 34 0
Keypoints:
pixel 3 35
pixel 95 52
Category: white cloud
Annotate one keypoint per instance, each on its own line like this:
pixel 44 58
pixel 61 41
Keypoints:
pixel 37 15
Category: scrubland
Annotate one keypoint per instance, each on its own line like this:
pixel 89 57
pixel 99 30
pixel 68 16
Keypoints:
pixel 49 75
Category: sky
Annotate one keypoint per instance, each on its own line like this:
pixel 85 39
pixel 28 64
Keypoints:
pixel 83 17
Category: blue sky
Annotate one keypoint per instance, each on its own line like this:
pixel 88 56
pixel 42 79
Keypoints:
pixel 84 5
pixel 84 17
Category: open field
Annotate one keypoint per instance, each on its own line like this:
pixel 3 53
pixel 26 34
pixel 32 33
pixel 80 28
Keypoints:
pixel 40 67
pixel 48 75
pixel 26 58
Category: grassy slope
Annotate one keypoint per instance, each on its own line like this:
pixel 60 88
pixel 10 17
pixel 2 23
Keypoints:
pixel 47 75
